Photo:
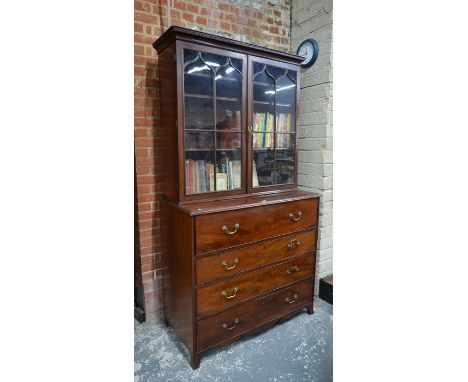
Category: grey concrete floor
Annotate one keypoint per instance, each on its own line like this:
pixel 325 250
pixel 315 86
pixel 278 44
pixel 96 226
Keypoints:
pixel 299 349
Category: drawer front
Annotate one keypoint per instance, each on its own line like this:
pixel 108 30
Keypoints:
pixel 234 322
pixel 234 261
pixel 224 294
pixel 228 229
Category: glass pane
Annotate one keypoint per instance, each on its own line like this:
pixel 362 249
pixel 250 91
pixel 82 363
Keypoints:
pixel 285 156
pixel 264 159
pixel 213 101
pixel 198 88
pixel 228 97
pixel 199 171
pixel 228 141
pixel 199 140
pixel 263 126
pixel 285 104
pixel 228 169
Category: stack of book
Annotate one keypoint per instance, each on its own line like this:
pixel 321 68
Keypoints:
pixel 199 176
pixel 283 125
pixel 263 123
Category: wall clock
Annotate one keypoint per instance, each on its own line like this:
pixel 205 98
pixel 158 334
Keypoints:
pixel 309 50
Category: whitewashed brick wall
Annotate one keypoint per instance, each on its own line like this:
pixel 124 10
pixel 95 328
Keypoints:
pixel 313 19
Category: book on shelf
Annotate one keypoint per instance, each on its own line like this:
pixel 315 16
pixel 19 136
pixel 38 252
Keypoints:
pixel 263 126
pixel 200 177
pixel 254 175
pixel 221 181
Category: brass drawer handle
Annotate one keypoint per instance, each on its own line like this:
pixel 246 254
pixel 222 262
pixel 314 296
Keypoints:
pixel 291 243
pixel 235 322
pixel 293 269
pixel 225 295
pixel 289 301
pixel 293 218
pixel 224 264
pixel 226 229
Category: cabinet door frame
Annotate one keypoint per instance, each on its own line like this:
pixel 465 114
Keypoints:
pixel 180 46
pixel 276 187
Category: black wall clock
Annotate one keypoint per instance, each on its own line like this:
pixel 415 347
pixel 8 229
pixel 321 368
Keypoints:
pixel 309 50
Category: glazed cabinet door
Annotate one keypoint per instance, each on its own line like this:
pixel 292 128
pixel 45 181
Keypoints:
pixel 213 94
pixel 272 139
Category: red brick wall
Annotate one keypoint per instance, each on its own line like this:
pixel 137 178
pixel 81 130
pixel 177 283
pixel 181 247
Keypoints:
pixel 262 22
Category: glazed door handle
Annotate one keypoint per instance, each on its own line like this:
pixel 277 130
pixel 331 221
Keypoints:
pixel 293 269
pixel 293 300
pixel 226 229
pixel 234 324
pixel 249 128
pixel 293 218
pixel 224 264
pixel 234 292
pixel 291 243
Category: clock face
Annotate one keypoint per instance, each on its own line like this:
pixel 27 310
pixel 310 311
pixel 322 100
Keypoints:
pixel 309 50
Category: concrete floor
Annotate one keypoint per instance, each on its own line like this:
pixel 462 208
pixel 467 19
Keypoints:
pixel 299 349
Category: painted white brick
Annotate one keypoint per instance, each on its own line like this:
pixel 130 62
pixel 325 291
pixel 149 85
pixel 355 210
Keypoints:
pixel 314 156
pixel 314 11
pixel 325 268
pixel 313 19
pixel 316 131
pixel 325 219
pixel 320 169
pixel 316 144
pixel 326 196
pixel 316 182
pixel 324 255
pixel 317 91
pixel 309 26
pixel 321 76
pixel 316 118
pixel 317 104
pixel 325 232
pixel 320 35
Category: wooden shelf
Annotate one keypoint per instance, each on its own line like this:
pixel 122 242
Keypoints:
pixel 272 104
pixel 202 96
pixel 199 149
pixel 272 148
pixel 232 149
pixel 216 131
pixel 211 76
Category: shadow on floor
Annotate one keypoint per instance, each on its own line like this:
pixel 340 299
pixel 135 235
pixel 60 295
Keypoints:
pixel 300 349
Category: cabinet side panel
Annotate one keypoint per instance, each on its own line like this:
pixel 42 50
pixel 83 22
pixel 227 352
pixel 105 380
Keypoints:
pixel 166 142
pixel 177 274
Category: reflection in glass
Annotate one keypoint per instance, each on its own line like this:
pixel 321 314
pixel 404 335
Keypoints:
pixel 273 125
pixel 228 141
pixel 199 140
pixel 213 101
pixel 199 172
pixel 285 157
pixel 228 169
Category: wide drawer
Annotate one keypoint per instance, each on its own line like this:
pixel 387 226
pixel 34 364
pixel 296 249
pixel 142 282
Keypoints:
pixel 231 228
pixel 225 294
pixel 224 326
pixel 231 262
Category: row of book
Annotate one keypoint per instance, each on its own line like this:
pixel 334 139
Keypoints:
pixel 263 123
pixel 200 176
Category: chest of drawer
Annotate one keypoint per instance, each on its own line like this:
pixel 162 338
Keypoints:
pixel 231 262
pixel 236 321
pixel 231 228
pixel 224 294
